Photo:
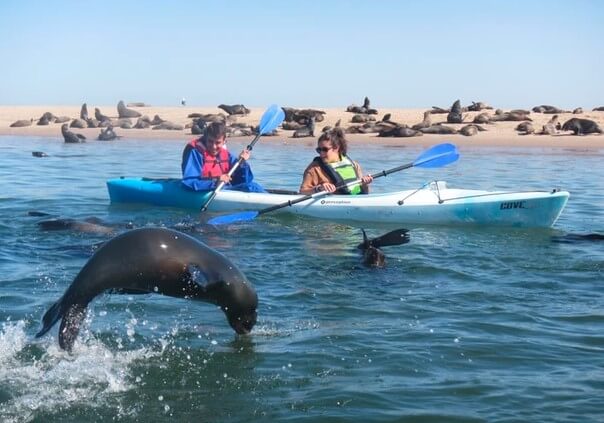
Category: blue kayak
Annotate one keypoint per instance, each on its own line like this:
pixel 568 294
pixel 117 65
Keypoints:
pixel 168 192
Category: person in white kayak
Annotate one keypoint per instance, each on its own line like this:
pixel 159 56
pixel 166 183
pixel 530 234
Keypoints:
pixel 333 168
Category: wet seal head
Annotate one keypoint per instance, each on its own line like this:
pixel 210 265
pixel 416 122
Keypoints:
pixel 235 296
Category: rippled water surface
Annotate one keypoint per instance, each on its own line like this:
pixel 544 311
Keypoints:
pixel 463 324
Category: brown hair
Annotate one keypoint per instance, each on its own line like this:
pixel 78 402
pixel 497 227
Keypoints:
pixel 214 131
pixel 337 138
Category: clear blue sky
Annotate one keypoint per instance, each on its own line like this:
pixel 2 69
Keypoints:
pixel 303 53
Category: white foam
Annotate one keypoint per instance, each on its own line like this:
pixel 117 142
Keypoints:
pixel 55 380
pixel 12 340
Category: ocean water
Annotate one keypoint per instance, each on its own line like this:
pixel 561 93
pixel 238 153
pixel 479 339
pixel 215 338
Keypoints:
pixel 464 324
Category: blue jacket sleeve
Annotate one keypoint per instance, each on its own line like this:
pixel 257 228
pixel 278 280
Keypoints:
pixel 243 174
pixel 191 171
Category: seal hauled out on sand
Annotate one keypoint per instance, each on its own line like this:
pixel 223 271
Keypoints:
pixel 306 131
pixel 71 137
pixel 372 255
pixel 124 112
pixel 235 109
pixel 455 116
pixel 155 260
pixel 21 123
pixel 582 126
pixel 107 134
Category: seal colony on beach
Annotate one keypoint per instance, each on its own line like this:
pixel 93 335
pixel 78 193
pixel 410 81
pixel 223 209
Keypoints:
pixel 365 120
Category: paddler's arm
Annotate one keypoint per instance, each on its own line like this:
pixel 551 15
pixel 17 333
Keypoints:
pixel 366 180
pixel 313 181
pixel 243 174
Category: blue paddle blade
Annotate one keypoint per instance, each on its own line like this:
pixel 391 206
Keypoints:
pixel 272 118
pixel 437 156
pixel 232 218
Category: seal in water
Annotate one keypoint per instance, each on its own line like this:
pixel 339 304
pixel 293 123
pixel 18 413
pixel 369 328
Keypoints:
pixel 372 255
pixel 155 260
pixel 573 238
pixel 89 225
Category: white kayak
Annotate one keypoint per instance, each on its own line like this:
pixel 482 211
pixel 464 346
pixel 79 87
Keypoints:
pixel 433 204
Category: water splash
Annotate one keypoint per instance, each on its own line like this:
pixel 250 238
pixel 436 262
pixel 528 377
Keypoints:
pixel 39 378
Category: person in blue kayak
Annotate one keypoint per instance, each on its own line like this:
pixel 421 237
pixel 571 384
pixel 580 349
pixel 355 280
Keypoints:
pixel 332 168
pixel 206 162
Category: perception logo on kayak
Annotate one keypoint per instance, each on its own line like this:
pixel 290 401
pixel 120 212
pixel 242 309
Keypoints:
pixel 512 205
pixel 335 201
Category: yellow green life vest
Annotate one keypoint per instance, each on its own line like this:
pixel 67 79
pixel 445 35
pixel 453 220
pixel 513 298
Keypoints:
pixel 342 173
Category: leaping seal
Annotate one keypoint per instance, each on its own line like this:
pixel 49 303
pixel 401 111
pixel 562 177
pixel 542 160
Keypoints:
pixel 155 260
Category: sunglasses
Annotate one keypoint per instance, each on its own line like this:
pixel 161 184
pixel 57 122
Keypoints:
pixel 323 149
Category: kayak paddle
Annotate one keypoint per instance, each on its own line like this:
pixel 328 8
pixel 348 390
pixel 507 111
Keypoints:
pixel 437 156
pixel 272 117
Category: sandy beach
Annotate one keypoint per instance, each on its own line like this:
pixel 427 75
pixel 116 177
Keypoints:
pixel 498 134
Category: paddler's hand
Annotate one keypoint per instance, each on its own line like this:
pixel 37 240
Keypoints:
pixel 225 178
pixel 325 187
pixel 245 155
pixel 367 179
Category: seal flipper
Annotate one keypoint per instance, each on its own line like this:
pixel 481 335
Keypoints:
pixel 70 326
pixel 366 243
pixel 52 316
pixel 372 255
pixel 35 213
pixel 396 237
pixel 198 276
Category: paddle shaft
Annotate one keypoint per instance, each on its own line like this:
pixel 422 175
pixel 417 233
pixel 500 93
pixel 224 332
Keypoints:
pixel 324 193
pixel 437 156
pixel 233 169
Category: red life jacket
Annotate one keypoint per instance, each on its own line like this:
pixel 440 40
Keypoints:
pixel 213 166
